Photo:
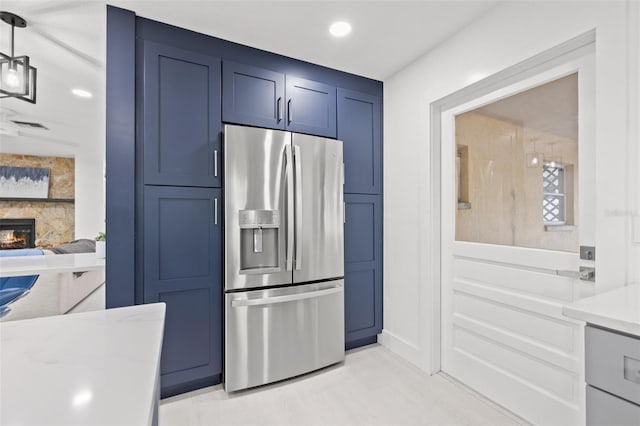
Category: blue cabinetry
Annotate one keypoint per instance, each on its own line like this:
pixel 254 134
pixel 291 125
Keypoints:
pixel 168 94
pixel 253 96
pixel 363 269
pixel 360 129
pixel 257 97
pixel 179 141
pixel 183 268
pixel 181 117
pixel 311 107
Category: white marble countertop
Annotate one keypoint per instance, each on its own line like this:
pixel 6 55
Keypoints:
pixel 92 368
pixel 34 265
pixel 617 309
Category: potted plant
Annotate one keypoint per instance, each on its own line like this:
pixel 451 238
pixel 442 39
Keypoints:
pixel 101 245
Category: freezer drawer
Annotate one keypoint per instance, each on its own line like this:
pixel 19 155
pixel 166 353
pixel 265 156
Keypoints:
pixel 275 334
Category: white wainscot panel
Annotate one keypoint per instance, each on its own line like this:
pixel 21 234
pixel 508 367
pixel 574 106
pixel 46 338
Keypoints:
pixel 516 278
pixel 543 330
pixel 534 372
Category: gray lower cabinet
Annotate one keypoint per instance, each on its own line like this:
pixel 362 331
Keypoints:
pixel 604 409
pixel 613 378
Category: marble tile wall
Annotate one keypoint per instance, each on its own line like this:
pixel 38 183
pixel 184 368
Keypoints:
pixel 55 222
pixel 505 194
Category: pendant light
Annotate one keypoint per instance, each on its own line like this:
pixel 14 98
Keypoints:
pixel 534 159
pixel 17 77
pixel 555 160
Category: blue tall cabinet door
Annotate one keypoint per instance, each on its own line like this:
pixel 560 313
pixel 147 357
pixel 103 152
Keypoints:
pixel 360 129
pixel 183 268
pixel 363 268
pixel 181 117
pixel 311 107
pixel 252 95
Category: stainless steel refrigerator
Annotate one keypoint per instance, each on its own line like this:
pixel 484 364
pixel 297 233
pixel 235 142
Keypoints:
pixel 284 255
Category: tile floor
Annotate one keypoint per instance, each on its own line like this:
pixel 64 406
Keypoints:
pixel 372 387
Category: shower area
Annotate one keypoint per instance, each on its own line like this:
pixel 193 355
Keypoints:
pixel 516 170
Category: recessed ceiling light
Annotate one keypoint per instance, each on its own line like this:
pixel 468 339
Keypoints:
pixel 82 93
pixel 340 29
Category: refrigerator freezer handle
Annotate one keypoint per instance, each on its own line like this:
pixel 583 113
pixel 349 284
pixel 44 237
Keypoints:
pixel 299 236
pixel 290 207
pixel 288 298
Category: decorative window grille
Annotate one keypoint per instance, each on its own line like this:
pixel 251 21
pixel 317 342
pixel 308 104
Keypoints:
pixel 554 194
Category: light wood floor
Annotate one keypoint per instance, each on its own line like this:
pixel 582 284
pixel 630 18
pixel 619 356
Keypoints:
pixel 372 387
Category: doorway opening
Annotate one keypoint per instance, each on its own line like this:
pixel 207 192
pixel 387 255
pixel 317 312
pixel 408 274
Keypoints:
pixel 510 155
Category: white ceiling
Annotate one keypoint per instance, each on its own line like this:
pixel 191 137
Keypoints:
pixel 66 42
pixel 551 108
pixel 385 37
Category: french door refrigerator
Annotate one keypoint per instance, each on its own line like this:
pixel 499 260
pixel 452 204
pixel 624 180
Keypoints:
pixel 284 255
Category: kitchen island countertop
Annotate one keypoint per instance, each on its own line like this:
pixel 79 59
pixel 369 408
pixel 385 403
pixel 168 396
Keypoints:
pixel 98 368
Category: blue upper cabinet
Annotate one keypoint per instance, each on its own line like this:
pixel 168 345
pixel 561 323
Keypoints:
pixel 256 97
pixel 362 269
pixel 311 107
pixel 253 96
pixel 183 268
pixel 360 129
pixel 181 117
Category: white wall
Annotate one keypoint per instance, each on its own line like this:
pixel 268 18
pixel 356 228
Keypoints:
pixel 90 205
pixel 505 36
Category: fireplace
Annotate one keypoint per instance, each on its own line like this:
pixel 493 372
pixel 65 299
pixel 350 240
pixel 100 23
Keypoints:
pixel 17 233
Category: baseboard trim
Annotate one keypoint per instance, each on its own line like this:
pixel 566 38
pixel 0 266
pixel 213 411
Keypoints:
pixel 169 391
pixel 401 347
pixel 360 342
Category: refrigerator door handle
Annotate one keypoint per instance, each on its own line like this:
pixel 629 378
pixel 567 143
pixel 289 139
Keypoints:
pixel 298 207
pixel 288 298
pixel 290 206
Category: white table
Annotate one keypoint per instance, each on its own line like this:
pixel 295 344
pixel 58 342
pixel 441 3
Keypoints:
pixel 93 368
pixel 35 265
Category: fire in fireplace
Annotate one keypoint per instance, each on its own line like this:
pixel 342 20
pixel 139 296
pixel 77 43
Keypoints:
pixel 17 233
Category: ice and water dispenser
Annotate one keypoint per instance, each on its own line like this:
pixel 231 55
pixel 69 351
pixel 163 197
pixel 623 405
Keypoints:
pixel 259 232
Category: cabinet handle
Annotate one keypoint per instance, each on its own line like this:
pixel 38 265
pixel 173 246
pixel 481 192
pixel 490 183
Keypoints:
pixel 344 212
pixel 289 111
pixel 215 211
pixel 215 163
pixel 279 106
